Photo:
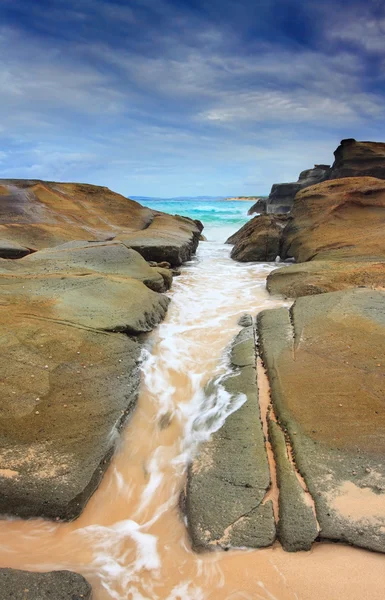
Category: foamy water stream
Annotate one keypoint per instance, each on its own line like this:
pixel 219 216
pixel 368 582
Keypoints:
pixel 131 541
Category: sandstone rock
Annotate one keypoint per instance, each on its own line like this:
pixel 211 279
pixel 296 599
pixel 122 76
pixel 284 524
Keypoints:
pixel 92 301
pixel 359 159
pixel 56 585
pixel 69 383
pixel 259 239
pixel 66 392
pixel 81 258
pixel 282 195
pixel 297 525
pixel 40 214
pixel 172 239
pixel 245 320
pixel 10 249
pixel 259 207
pixel 228 480
pixel 321 276
pixel 69 375
pixel 337 220
pixel 324 363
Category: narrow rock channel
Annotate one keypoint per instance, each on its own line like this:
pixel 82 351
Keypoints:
pixel 131 541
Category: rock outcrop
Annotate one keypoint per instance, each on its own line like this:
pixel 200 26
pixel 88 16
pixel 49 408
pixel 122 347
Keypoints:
pixel 56 585
pixel 228 480
pixel 359 159
pixel 334 220
pixel 321 276
pixel 40 214
pixel 69 376
pixel 73 323
pixel 336 230
pixel 324 363
pixel 259 207
pixel 282 195
pixel 259 239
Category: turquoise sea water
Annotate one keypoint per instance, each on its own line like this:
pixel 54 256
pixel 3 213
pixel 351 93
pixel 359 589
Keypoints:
pixel 220 217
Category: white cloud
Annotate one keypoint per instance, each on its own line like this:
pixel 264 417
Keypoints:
pixel 360 28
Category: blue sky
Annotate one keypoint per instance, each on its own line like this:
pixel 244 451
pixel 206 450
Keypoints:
pixel 165 98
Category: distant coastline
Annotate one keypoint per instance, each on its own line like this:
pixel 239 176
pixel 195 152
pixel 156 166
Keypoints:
pixel 245 198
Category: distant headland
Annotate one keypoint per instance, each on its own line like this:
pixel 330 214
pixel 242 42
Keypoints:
pixel 246 198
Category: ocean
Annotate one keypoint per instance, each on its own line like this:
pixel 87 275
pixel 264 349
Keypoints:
pixel 221 218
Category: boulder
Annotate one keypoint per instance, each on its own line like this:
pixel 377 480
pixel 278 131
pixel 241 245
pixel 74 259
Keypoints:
pixel 259 239
pixel 322 276
pixel 69 374
pixel 282 195
pixel 80 258
pixel 56 585
pixel 245 320
pixel 359 159
pixel 228 480
pixel 324 363
pixel 297 525
pixel 337 220
pixel 171 239
pixel 39 214
pixel 259 207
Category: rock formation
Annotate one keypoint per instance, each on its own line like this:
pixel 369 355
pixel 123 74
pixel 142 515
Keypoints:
pixel 40 214
pixel 259 239
pixel 259 207
pixel 335 229
pixel 73 316
pixel 228 480
pixel 323 356
pixel 282 195
pixel 359 159
pixel 56 585
pixel 324 363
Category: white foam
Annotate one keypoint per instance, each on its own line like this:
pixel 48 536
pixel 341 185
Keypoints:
pixel 209 296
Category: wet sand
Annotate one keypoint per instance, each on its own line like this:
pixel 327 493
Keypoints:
pixel 131 541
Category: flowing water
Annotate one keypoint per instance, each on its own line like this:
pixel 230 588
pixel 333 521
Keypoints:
pixel 131 541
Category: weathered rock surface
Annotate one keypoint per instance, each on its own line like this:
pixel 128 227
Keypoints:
pixel 56 585
pixel 336 229
pixel 245 320
pixel 228 480
pixel 12 249
pixel 259 207
pixel 334 220
pixel 324 362
pixel 81 258
pixel 259 239
pixel 69 375
pixel 322 276
pixel 297 526
pixel 359 159
pixel 282 195
pixel 40 214
pixel 69 383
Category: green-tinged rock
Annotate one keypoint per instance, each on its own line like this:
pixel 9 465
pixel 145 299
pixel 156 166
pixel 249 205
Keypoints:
pixel 297 525
pixel 80 258
pixel 228 480
pixel 39 214
pixel 259 239
pixel 324 360
pixel 323 276
pixel 92 301
pixel 56 585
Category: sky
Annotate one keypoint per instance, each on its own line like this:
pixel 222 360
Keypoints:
pixel 202 97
